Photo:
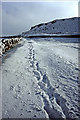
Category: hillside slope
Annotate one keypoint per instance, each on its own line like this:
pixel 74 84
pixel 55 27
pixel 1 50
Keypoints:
pixel 61 26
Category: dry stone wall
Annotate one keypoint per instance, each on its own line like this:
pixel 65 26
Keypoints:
pixel 7 44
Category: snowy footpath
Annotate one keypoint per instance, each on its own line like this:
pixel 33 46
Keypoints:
pixel 40 79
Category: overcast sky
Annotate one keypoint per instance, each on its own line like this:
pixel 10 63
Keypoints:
pixel 20 16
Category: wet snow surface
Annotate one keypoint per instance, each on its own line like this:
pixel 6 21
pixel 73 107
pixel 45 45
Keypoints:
pixel 40 80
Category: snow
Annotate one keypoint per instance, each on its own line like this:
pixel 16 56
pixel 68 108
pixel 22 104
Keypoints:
pixel 62 26
pixel 40 79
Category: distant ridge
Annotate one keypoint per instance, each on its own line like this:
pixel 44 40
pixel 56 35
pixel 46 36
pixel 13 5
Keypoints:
pixel 53 22
pixel 59 26
pixel 10 36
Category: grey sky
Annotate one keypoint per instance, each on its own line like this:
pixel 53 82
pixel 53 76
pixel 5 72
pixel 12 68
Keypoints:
pixel 20 16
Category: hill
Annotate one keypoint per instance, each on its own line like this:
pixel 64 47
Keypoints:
pixel 58 26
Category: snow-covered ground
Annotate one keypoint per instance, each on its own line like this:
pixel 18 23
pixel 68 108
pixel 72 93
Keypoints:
pixel 40 79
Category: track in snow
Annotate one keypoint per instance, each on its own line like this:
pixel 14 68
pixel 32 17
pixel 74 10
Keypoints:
pixel 54 104
pixel 43 84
